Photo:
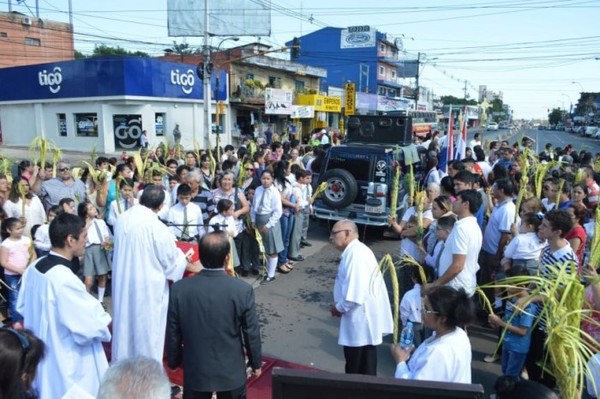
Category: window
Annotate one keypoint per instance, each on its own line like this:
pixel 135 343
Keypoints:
pixel 250 76
pixel 381 70
pixel 159 124
pixel 359 168
pixel 382 91
pixel 86 125
pixel 275 82
pixel 393 74
pixel 61 119
pixel 299 86
pixel 382 48
pixel 30 41
pixel 3 34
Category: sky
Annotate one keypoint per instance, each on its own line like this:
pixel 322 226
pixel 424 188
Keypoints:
pixel 530 50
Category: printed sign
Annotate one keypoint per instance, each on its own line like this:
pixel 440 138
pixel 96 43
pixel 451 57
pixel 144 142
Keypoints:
pixel 278 102
pixel 127 129
pixel 357 37
pixel 303 112
pixel 350 99
pixel 86 125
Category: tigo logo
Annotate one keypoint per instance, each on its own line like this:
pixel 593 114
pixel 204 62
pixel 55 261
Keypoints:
pixel 51 79
pixel 185 80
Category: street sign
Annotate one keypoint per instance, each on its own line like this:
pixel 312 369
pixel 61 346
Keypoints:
pixel 350 99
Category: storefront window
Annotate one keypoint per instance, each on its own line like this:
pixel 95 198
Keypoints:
pixel 159 124
pixel 61 120
pixel 86 125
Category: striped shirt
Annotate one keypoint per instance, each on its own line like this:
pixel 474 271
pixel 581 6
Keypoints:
pixel 564 255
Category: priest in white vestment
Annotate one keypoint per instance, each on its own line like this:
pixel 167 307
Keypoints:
pixel 360 300
pixel 145 258
pixel 57 308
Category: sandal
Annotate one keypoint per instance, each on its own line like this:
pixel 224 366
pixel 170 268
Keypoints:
pixel 284 269
pixel 290 265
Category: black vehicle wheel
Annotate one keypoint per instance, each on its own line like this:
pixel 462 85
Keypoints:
pixel 341 188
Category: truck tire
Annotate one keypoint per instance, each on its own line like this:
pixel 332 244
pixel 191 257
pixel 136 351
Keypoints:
pixel 341 188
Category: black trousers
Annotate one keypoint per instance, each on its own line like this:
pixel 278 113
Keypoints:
pixel 536 355
pixel 361 359
pixel 238 393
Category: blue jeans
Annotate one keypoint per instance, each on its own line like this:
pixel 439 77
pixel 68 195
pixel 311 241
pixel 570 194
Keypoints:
pixel 14 282
pixel 287 224
pixel 512 362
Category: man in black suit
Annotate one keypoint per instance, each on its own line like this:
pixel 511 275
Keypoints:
pixel 212 318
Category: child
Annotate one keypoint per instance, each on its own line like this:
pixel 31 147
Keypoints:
pixel 125 201
pixel 265 213
pixel 99 242
pixel 307 194
pixel 524 249
pixel 67 205
pixel 185 216
pixel 517 338
pixel 16 252
pixel 227 223
pixel 443 228
pixel 302 214
pixel 410 306
pixel 42 236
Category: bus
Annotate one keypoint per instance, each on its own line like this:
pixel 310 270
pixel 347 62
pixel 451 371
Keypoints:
pixel 423 122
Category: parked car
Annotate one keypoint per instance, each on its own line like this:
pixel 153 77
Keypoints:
pixel 590 131
pixel 360 176
pixel 492 126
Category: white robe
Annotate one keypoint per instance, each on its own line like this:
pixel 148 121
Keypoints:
pixel 446 359
pixel 145 257
pixel 72 324
pixel 362 297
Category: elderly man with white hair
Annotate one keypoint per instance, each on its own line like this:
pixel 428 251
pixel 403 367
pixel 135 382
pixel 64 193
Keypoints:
pixel 135 378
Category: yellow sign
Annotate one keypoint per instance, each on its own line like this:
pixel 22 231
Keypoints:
pixel 321 103
pixel 350 97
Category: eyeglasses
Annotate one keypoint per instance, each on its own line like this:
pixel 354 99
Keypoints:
pixel 428 311
pixel 249 169
pixel 333 233
pixel 67 169
pixel 23 340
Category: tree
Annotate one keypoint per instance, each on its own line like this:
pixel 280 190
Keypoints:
pixel 78 55
pixel 555 116
pixel 447 100
pixel 103 50
pixel 181 49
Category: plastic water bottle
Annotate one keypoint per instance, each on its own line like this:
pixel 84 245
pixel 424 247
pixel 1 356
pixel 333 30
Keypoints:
pixel 407 337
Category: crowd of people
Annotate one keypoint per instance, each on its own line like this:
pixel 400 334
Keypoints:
pixel 472 234
pixel 66 235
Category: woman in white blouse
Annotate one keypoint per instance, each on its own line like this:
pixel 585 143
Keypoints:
pixel 446 355
pixel 34 210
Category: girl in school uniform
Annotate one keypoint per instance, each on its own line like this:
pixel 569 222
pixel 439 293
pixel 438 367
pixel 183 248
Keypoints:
pixel 265 214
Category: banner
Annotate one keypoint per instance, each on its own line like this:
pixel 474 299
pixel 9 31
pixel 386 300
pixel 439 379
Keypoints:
pixel 357 37
pixel 302 112
pixel 225 17
pixel 350 99
pixel 278 102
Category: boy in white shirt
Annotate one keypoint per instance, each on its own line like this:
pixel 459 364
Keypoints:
pixel 42 235
pixel 410 306
pixel 186 216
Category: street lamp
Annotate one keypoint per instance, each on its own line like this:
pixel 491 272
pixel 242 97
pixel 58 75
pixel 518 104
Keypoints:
pixel 580 86
pixel 206 84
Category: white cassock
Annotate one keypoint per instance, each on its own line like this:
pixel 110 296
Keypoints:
pixel 446 359
pixel 145 257
pixel 57 309
pixel 361 295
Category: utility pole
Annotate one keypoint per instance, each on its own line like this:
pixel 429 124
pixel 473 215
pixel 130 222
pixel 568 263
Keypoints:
pixel 465 89
pixel 206 81
pixel 417 80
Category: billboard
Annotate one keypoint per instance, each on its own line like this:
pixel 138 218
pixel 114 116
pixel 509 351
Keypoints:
pixel 358 37
pixel 278 101
pixel 408 68
pixel 225 17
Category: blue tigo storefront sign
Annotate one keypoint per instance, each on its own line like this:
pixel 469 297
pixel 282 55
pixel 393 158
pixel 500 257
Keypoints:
pixel 101 77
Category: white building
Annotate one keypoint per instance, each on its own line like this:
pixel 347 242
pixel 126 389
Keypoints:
pixel 107 103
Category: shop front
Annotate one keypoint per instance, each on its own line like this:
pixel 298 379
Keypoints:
pixel 327 111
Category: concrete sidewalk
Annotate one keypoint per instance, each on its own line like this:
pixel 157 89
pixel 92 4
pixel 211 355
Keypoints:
pixel 15 153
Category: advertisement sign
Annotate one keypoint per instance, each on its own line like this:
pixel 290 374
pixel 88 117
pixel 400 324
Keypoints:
pixel 127 130
pixel 103 77
pixel 366 102
pixel 278 102
pixel 86 125
pixel 321 103
pixel 62 124
pixel 159 124
pixel 391 104
pixel 357 37
pixel 350 99
pixel 303 112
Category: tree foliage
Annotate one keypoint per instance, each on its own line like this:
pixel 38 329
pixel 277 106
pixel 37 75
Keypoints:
pixel 555 116
pixel 103 50
pixel 447 100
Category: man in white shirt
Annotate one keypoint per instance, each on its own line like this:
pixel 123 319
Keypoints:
pixel 476 141
pixel 497 232
pixel 360 300
pixel 458 262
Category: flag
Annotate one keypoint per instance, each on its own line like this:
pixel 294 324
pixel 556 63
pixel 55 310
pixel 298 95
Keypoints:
pixel 447 150
pixel 461 142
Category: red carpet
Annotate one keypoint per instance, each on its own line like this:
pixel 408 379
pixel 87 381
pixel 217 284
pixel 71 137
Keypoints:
pixel 258 388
